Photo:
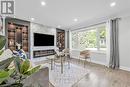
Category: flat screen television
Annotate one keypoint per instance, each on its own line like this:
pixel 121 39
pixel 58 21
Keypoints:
pixel 43 39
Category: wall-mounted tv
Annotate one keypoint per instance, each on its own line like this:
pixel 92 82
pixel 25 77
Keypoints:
pixel 43 39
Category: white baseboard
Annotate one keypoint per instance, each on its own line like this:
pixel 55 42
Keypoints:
pixel 97 62
pixel 125 68
pixel 121 67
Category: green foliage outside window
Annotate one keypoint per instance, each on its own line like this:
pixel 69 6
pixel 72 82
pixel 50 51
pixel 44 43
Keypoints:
pixel 74 40
pixel 102 32
pixel 90 39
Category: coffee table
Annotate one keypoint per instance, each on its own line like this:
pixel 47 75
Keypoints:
pixel 60 59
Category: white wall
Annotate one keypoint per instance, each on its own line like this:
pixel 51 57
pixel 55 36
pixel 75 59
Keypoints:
pixel 99 58
pixel 124 42
pixel 38 28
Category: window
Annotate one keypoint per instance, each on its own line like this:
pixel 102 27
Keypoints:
pixel 90 38
pixel 102 35
pixel 75 40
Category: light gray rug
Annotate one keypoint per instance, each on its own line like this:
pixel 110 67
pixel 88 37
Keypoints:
pixel 69 76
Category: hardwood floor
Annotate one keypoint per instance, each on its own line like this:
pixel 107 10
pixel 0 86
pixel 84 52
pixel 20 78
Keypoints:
pixel 101 76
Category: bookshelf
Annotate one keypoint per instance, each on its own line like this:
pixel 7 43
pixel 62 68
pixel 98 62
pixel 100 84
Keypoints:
pixel 60 39
pixel 17 32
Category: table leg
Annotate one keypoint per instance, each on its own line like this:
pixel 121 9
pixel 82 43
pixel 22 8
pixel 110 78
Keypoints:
pixel 51 64
pixel 61 64
pixel 68 59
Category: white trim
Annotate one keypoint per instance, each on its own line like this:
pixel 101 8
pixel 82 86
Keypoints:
pixel 125 68
pixel 93 51
pixel 70 40
pixel 96 28
pixel 98 51
pixel 101 63
pixel 97 62
pixel 121 67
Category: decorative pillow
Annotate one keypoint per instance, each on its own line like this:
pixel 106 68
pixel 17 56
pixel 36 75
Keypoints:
pixel 20 53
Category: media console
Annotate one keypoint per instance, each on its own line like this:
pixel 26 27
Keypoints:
pixel 43 53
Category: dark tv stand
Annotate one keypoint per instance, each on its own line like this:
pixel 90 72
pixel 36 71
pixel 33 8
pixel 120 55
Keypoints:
pixel 43 53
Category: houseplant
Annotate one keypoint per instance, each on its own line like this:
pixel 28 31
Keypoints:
pixel 4 71
pixel 14 76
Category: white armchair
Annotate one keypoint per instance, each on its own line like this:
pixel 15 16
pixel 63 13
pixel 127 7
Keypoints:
pixel 85 55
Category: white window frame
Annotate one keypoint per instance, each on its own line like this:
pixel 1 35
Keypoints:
pixel 95 27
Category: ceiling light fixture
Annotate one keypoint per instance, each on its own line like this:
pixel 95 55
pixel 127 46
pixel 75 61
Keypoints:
pixel 75 19
pixel 59 26
pixel 32 19
pixel 43 3
pixel 113 4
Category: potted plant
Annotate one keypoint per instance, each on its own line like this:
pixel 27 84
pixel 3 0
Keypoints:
pixel 14 76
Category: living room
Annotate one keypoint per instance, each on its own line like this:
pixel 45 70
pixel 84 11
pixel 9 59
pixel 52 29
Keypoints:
pixel 64 43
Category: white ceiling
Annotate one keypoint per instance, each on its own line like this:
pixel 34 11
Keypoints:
pixel 62 12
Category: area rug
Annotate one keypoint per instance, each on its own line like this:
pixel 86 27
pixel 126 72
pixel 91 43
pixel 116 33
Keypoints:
pixel 69 77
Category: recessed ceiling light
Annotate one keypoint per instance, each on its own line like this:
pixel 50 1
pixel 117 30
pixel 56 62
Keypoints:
pixel 75 19
pixel 113 4
pixel 43 3
pixel 32 19
pixel 59 26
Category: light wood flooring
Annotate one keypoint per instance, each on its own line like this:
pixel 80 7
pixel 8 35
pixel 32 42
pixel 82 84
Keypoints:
pixel 101 76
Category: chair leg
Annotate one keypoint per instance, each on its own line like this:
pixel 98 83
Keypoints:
pixel 51 64
pixel 54 65
pixel 61 65
pixel 90 59
pixel 68 60
pixel 68 64
pixel 79 61
pixel 84 62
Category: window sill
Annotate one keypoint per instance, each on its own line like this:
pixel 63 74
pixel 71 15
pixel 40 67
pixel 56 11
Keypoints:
pixel 93 51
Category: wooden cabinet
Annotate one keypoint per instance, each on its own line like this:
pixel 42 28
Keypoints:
pixel 17 32
pixel 60 39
